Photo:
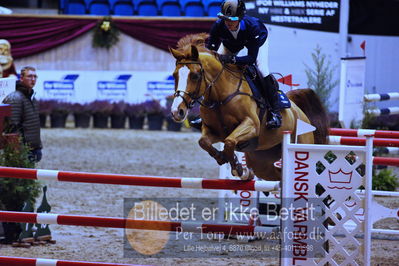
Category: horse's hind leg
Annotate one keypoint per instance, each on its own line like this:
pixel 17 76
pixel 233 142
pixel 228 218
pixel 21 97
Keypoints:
pixel 262 162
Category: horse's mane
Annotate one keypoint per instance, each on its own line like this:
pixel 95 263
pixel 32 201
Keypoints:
pixel 198 40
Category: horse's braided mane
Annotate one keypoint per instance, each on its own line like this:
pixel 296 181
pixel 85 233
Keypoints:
pixel 198 40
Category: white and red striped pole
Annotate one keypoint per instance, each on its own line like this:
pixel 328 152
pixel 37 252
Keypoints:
pixel 388 161
pixel 112 222
pixel 17 261
pixel 354 141
pixel 363 132
pixel 135 180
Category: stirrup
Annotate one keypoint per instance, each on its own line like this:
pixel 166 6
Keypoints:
pixel 275 121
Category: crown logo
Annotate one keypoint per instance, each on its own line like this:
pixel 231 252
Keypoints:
pixel 340 177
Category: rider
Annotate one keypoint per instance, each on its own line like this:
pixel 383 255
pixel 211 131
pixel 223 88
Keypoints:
pixel 233 31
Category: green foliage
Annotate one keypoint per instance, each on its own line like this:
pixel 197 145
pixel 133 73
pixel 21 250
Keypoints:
pixel 105 34
pixel 385 180
pixel 320 78
pixel 14 192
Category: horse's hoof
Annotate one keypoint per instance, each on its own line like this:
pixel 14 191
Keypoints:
pixel 248 174
pixel 220 159
pixel 237 170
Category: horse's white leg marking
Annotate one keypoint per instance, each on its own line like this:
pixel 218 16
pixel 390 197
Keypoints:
pixel 182 84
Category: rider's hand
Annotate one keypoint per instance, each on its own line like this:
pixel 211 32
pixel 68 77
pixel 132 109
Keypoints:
pixel 227 59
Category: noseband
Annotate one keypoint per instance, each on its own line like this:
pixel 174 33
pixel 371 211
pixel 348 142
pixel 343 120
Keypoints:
pixel 195 97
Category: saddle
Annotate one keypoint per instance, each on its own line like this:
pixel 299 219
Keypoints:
pixel 256 82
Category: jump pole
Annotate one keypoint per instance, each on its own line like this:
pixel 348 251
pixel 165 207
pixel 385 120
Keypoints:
pixel 113 222
pixel 355 141
pixel 363 132
pixel 135 180
pixel 17 261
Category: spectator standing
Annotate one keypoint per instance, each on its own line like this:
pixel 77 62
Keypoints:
pixel 24 118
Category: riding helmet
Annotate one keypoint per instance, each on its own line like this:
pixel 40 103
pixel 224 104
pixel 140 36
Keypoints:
pixel 232 10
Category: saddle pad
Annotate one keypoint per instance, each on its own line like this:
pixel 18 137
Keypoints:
pixel 283 100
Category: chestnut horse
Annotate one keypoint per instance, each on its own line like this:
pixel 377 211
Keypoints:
pixel 230 114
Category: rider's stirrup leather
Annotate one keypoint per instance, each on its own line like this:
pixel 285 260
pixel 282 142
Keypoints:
pixel 196 123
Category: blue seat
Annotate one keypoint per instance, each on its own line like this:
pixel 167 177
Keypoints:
pixel 171 9
pixel 99 7
pixel 194 9
pixel 122 7
pixel 213 9
pixel 161 2
pixel 183 3
pixel 147 8
pixel 75 7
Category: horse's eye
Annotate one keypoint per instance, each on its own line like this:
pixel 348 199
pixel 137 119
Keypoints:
pixel 195 76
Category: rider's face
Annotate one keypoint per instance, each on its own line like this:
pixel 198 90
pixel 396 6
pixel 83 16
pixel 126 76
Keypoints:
pixel 231 25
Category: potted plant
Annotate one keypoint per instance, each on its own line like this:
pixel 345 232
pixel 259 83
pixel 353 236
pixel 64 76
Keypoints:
pixel 171 124
pixel 44 111
pixel 136 113
pixel 155 114
pixel 59 113
pixel 16 192
pixel 81 114
pixel 101 109
pixel 118 116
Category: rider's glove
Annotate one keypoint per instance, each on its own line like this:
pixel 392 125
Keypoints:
pixel 227 59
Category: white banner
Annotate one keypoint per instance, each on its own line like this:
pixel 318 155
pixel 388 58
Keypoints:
pixel 7 85
pixel 87 86
pixel 351 90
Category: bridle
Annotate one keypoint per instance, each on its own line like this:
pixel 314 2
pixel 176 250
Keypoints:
pixel 195 96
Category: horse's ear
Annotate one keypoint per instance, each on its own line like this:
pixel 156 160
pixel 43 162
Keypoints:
pixel 194 52
pixel 176 54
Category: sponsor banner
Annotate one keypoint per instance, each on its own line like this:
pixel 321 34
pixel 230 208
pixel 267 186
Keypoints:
pixel 304 14
pixel 7 85
pixel 87 86
pixel 352 88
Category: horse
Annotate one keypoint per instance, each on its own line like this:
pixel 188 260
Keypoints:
pixel 230 113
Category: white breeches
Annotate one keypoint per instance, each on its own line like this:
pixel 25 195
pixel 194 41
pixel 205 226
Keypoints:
pixel 262 60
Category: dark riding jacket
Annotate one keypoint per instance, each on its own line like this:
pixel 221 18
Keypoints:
pixel 252 35
pixel 24 118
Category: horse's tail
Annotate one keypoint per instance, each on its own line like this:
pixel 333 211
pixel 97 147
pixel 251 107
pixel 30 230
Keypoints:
pixel 310 104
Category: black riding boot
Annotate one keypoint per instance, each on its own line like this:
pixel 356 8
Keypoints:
pixel 196 123
pixel 270 92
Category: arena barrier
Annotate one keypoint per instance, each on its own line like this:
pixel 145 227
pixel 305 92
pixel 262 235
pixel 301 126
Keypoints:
pixel 17 261
pixel 113 222
pixel 382 97
pixel 135 180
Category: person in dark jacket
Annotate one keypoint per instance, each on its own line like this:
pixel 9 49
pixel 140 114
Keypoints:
pixel 233 32
pixel 24 118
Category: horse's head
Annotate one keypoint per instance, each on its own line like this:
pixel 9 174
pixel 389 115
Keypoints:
pixel 189 77
pixel 192 61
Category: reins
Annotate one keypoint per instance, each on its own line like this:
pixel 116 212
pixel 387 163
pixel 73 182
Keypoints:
pixel 196 97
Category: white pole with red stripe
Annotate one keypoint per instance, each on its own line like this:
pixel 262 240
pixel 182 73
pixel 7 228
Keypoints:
pixel 113 222
pixel 136 180
pixel 364 132
pixel 18 261
pixel 381 142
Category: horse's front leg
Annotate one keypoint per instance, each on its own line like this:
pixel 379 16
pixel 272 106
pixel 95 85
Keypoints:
pixel 206 141
pixel 247 130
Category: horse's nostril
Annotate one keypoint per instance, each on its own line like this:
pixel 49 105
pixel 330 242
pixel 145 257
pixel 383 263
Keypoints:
pixel 181 112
